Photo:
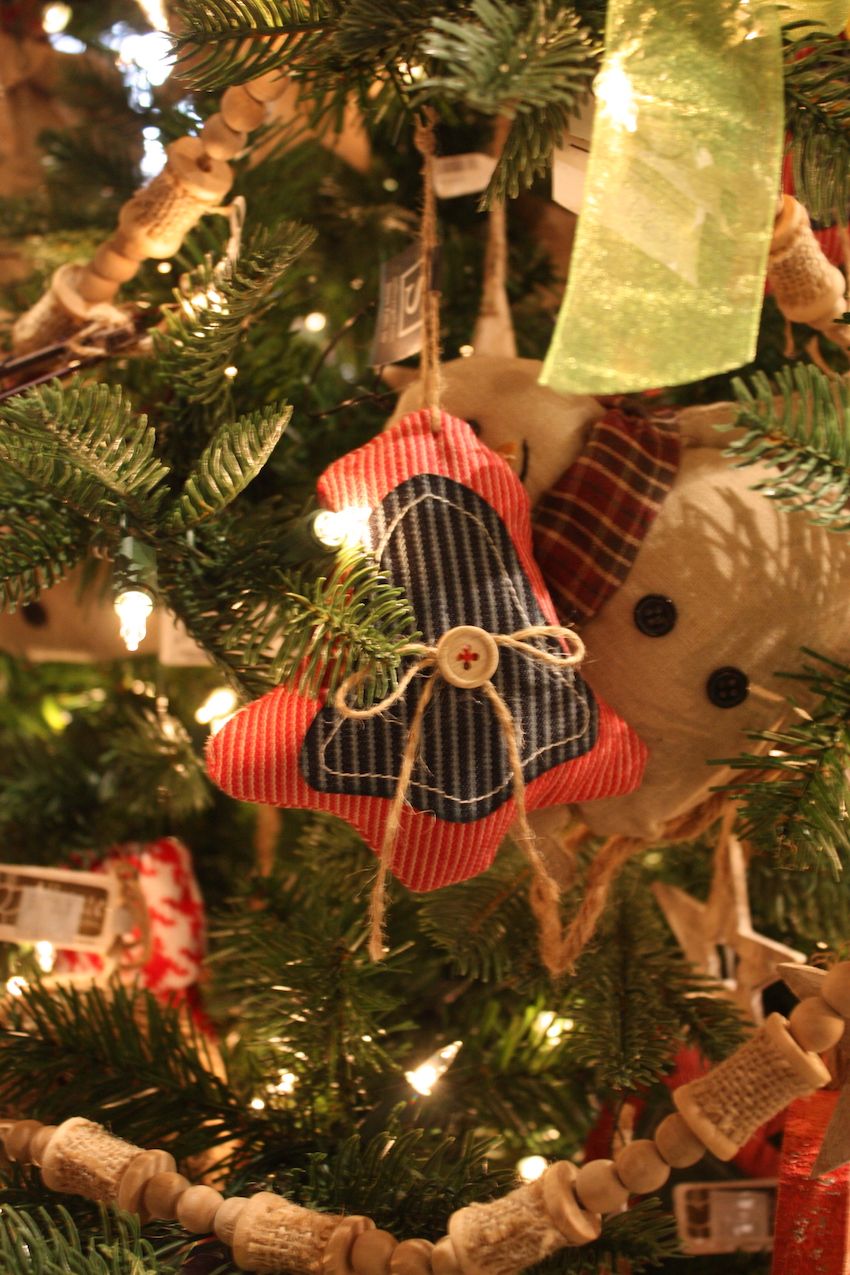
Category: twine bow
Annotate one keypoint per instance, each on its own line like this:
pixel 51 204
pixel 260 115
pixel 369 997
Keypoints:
pixel 544 890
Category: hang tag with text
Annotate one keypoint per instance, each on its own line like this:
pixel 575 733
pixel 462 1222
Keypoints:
pixel 569 161
pixel 465 174
pixel 398 331
pixel 77 910
pixel 176 648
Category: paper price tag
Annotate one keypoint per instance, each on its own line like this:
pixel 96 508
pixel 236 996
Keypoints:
pixel 569 161
pixel 398 332
pixel 465 174
pixel 76 910
pixel 176 648
pixel 726 1217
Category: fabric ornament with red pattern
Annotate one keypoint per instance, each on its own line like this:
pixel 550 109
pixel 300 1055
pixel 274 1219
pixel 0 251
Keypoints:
pixel 491 717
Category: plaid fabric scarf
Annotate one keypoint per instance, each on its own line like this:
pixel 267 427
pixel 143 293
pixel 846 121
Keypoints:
pixel 589 527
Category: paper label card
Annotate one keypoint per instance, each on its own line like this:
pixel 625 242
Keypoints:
pixel 465 174
pixel 398 332
pixel 76 910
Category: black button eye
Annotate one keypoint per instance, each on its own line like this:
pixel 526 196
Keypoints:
pixel 475 427
pixel 727 687
pixel 655 615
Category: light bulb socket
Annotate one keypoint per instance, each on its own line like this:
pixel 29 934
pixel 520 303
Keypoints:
pixel 135 568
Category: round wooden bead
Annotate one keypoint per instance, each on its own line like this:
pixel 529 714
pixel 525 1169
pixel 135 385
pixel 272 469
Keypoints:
pixel 111 264
pixel 205 178
pixel 240 111
pixel 599 1188
pixel 19 1138
pixel 641 1168
pixel 219 141
pixel 575 1223
pixel 677 1143
pixel 411 1257
pixel 136 1176
pixel 267 87
pixel 835 988
pixel 444 1258
pixel 371 1252
pixel 224 1223
pixel 93 287
pixel 40 1141
pixel 197 1207
pixel 125 243
pixel 815 1025
pixel 336 1257
pixel 162 1193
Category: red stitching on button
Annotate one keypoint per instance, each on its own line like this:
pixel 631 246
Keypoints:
pixel 468 656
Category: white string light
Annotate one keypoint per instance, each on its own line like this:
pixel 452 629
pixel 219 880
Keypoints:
pixel 55 18
pixel 45 955
pixel 424 1077
pixel 337 527
pixel 133 606
pixel 531 1167
pixel 315 321
pixel 16 986
pixel 218 706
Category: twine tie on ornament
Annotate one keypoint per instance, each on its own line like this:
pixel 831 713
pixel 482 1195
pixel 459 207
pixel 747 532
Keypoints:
pixel 430 360
pixel 479 665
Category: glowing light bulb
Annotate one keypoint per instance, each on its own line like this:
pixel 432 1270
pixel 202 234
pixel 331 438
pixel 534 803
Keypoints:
pixel 315 321
pixel 257 1104
pixel 615 96
pixel 219 703
pixel 231 371
pixel 16 986
pixel 552 1027
pixel 45 955
pixel 55 17
pixel 337 527
pixel 133 606
pixel 164 267
pixel 531 1167
pixel 424 1077
pixel 286 1084
pixel 466 350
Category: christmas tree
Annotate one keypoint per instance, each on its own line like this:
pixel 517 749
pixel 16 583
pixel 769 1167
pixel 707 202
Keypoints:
pixel 565 645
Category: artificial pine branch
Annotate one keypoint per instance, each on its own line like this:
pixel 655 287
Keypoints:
pixel 817 117
pixel 532 64
pixel 231 41
pixel 52 1244
pixel 39 543
pixel 87 447
pixel 231 460
pixel 795 804
pixel 806 440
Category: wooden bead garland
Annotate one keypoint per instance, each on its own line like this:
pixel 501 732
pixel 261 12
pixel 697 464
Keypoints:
pixel 815 1025
pixel 269 1234
pixel 159 215
pixel 725 1107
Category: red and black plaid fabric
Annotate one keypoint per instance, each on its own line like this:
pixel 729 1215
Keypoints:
pixel 589 527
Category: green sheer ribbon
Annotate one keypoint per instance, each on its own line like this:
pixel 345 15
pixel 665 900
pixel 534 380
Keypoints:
pixel 667 274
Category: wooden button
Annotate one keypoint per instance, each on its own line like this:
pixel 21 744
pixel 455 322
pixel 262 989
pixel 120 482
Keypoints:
pixel 134 1179
pixel 162 1193
pixel 411 1257
pixel 599 1188
pixel 224 1223
pixel 640 1167
pixel 197 1207
pixel 576 1224
pixel 677 1142
pixel 467 656
pixel 371 1252
pixel 815 1025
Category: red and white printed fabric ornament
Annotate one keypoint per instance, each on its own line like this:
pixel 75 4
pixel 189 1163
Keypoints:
pixel 166 952
pixel 448 522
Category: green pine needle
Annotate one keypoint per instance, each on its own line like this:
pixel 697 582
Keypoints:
pixel 39 544
pixel 817 115
pixel 87 447
pixel 231 460
pixel 806 439
pixel 42 1243
pixel 231 41
pixel 794 804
